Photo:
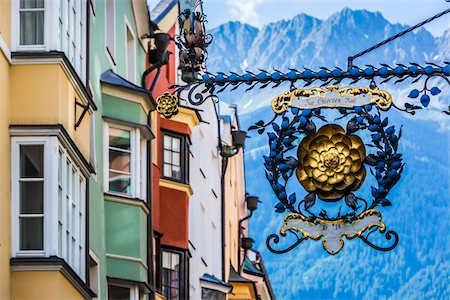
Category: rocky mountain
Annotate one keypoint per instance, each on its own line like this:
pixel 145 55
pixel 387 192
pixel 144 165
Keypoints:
pixel 232 42
pixel 443 46
pixel 307 41
pixel 419 267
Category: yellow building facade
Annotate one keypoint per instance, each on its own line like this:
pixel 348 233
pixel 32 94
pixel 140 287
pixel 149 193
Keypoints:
pixel 45 110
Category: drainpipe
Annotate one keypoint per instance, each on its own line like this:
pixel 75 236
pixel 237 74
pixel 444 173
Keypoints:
pixel 222 191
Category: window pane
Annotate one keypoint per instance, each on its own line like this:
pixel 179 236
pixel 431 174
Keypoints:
pixel 175 159
pixel 176 144
pixel 118 293
pixel 31 28
pixel 167 170
pixel 119 138
pixel 32 197
pixel 166 260
pixel 175 261
pixel 31 3
pixel 167 142
pixel 119 161
pixel 32 233
pixel 167 156
pixel 119 182
pixel 32 161
pixel 176 172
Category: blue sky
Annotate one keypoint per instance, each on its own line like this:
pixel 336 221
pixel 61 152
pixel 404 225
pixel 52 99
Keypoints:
pixel 261 12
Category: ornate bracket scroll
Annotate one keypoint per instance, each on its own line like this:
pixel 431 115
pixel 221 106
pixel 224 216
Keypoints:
pixel 333 231
pixel 331 97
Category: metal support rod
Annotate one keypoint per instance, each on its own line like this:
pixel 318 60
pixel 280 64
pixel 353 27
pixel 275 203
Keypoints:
pixel 351 58
pixel 85 110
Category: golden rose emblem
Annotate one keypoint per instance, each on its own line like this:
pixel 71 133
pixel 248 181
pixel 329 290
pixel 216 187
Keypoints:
pixel 331 163
pixel 167 105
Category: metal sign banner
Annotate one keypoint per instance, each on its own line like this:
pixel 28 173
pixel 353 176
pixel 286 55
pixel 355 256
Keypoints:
pixel 332 97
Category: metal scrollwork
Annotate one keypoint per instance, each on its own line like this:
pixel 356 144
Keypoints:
pixel 388 234
pixel 331 167
pixel 276 239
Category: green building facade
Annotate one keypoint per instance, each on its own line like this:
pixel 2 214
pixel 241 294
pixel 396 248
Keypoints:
pixel 121 133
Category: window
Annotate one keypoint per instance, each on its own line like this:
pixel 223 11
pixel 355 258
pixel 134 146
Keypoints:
pixel 120 161
pixel 126 161
pixel 110 16
pixel 175 157
pixel 31 15
pixel 131 56
pixel 171 275
pixel 31 211
pixel 48 201
pixel 43 25
pixel 123 292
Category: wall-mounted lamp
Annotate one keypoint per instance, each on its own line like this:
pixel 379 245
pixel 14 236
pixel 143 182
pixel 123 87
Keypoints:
pixel 156 50
pixel 246 243
pixel 238 140
pixel 158 55
pixel 252 202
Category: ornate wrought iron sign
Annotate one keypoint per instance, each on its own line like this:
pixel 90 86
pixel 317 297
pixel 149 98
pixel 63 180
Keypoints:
pixel 331 164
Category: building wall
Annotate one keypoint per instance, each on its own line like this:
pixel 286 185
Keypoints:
pixel 29 285
pixel 109 234
pixel 5 208
pixel 235 207
pixel 205 211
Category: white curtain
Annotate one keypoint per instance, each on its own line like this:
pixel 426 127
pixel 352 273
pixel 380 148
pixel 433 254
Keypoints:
pixel 31 22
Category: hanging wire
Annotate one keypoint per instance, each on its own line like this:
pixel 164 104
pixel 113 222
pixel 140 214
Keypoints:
pixel 351 58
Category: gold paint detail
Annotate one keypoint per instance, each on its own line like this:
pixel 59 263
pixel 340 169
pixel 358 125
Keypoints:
pixel 379 97
pixel 331 163
pixel 333 231
pixel 167 105
pixel 183 187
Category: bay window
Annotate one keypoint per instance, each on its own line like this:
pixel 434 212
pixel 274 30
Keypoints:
pixel 46 25
pixel 48 192
pixel 125 159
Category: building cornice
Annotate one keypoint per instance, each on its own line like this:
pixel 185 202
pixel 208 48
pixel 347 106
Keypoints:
pixel 128 258
pixel 59 131
pixel 182 187
pixel 187 116
pixel 129 201
pixel 52 263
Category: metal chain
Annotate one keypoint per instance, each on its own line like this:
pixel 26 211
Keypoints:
pixel 351 58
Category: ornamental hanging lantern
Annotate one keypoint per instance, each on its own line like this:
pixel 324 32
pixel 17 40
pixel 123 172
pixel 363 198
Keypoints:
pixel 192 41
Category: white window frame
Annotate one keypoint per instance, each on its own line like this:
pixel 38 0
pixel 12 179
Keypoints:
pixel 130 77
pixel 15 195
pixel 95 282
pixel 56 24
pixel 138 161
pixel 110 53
pixel 52 148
